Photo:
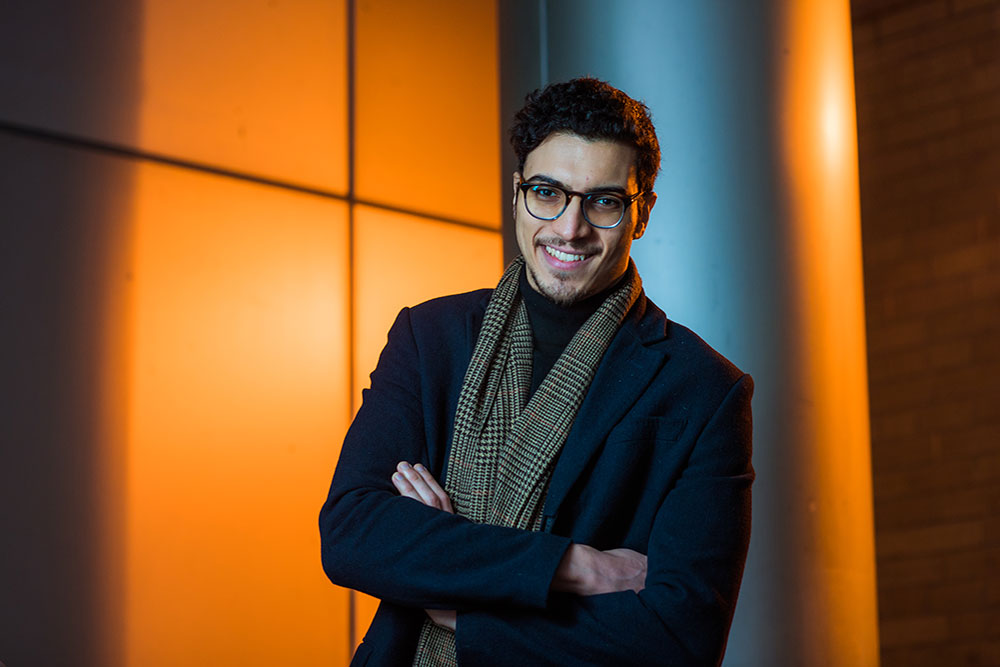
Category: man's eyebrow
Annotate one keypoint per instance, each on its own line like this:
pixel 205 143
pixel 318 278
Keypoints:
pixel 546 179
pixel 555 181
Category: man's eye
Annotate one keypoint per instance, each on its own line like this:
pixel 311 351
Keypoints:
pixel 605 202
pixel 543 192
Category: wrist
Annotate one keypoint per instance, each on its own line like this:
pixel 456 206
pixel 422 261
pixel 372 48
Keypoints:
pixel 575 573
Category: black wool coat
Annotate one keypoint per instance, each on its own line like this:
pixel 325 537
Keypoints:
pixel 658 460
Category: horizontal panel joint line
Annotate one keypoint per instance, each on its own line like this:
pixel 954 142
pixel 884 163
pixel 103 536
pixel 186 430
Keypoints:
pixel 76 141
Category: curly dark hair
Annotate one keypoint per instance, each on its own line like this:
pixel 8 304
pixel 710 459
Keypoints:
pixel 592 109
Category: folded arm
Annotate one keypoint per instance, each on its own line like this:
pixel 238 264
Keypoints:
pixel 602 610
pixel 583 570
pixel 378 542
pixel 503 581
pixel 696 553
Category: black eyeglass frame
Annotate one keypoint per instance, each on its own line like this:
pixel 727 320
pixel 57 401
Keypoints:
pixel 627 200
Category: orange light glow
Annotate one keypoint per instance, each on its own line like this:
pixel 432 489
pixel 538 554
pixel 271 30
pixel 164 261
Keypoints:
pixel 820 151
pixel 239 397
pixel 255 87
pixel 232 357
pixel 401 260
pixel 428 108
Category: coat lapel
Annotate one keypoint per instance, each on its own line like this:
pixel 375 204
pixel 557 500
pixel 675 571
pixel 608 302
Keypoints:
pixel 627 368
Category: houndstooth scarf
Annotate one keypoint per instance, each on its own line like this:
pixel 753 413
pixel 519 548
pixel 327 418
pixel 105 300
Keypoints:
pixel 505 446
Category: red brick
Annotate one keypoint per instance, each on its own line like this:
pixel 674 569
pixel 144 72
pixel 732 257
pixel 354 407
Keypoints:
pixel 931 124
pixel 903 424
pixel 899 335
pixel 985 77
pixel 903 394
pixel 934 599
pixel 978 564
pixel 930 300
pixel 917 479
pixel 899 162
pixel 930 539
pixel 958 146
pixel 963 261
pixel 970 624
pixel 913 16
pixel 958 597
pixel 965 29
pixel 863 35
pixel 913 630
pixel 936 66
pixel 902 453
pixel 928 106
pixel 921 186
pixel 953 653
pixel 983 110
pixel 908 572
pixel 966 5
pixel 936 508
pixel 981 438
pixel 967 200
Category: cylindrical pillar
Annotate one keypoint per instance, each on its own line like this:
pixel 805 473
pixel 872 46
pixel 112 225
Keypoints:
pixel 754 243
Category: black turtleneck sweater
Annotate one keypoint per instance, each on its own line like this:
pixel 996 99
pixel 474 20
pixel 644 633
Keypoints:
pixel 553 326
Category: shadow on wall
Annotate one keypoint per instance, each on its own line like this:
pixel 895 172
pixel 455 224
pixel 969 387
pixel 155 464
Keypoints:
pixel 64 234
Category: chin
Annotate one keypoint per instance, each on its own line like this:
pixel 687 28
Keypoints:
pixel 562 298
pixel 561 293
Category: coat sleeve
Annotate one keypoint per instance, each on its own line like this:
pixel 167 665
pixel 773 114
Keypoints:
pixel 396 548
pixel 696 554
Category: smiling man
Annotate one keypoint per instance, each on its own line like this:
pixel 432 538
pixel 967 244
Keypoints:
pixel 550 472
pixel 571 255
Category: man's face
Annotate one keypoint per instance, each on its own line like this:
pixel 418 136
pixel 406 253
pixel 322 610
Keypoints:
pixel 567 259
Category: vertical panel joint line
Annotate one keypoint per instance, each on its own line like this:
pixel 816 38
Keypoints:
pixel 352 631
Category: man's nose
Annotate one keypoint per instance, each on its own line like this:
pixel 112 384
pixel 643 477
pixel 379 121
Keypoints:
pixel 571 224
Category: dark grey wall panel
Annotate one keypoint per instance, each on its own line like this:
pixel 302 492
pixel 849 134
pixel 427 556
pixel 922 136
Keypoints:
pixel 64 223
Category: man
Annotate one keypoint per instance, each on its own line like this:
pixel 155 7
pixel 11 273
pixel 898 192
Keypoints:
pixel 550 472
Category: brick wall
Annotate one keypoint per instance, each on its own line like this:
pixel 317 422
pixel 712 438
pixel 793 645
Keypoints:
pixel 928 97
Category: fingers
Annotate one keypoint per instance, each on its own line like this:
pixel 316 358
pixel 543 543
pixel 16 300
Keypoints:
pixel 416 482
pixel 404 487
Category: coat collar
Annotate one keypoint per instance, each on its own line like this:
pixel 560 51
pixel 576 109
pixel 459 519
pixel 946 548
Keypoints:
pixel 629 364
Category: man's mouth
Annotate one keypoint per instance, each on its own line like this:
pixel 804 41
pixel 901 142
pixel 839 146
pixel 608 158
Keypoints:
pixel 564 256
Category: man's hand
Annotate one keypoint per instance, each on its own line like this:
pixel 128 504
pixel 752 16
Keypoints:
pixel 587 571
pixel 583 570
pixel 414 481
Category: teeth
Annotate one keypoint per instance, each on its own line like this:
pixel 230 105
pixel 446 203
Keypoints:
pixel 564 256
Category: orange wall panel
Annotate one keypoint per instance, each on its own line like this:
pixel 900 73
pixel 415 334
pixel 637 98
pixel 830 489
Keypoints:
pixel 427 107
pixel 239 398
pixel 256 87
pixel 402 260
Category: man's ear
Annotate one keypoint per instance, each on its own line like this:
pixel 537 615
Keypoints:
pixel 515 181
pixel 645 207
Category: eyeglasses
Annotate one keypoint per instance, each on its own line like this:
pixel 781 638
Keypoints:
pixel 604 210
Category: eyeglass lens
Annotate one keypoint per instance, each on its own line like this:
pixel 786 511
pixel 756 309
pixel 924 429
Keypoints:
pixel 599 209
